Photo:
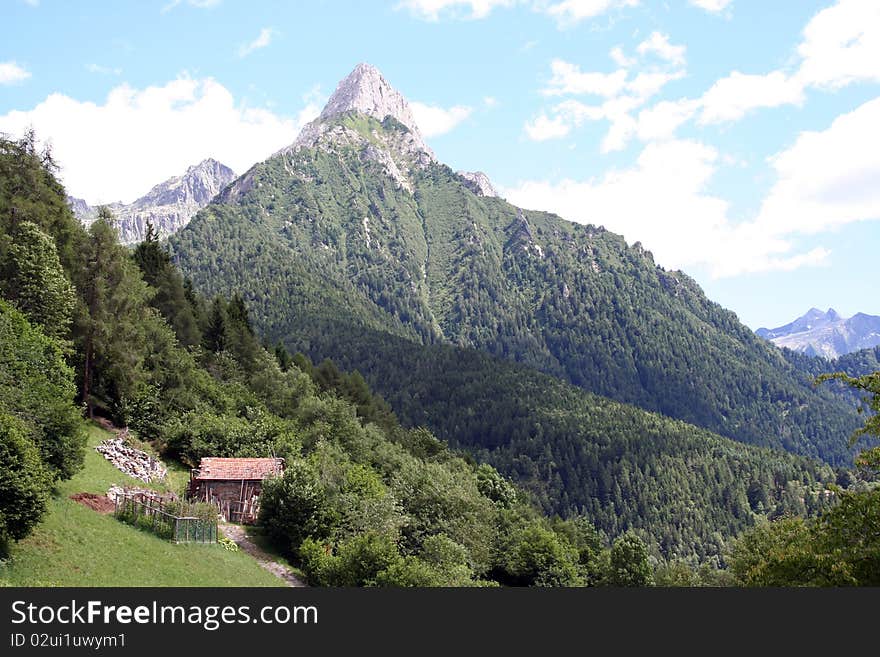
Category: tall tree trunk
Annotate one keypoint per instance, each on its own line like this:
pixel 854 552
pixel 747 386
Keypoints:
pixel 87 378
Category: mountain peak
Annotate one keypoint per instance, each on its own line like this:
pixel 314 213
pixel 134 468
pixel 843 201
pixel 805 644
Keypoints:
pixel 207 163
pixel 168 206
pixel 365 90
pixel 826 334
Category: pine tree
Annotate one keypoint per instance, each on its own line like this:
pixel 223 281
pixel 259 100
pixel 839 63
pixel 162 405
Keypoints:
pixel 215 339
pixel 170 297
pixel 35 281
pixel 109 327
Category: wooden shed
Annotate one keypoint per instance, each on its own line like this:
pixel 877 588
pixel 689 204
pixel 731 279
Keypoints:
pixel 234 485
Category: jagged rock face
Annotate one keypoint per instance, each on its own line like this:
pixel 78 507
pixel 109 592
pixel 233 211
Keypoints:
pixel 478 182
pixel 826 334
pixel 364 90
pixel 81 210
pixel 169 206
pixel 392 139
pixel 197 186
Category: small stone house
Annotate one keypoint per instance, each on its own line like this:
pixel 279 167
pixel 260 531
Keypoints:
pixel 234 485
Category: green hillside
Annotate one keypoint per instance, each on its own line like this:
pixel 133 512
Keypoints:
pixel 77 546
pixel 323 237
pixel 577 453
pixel 88 325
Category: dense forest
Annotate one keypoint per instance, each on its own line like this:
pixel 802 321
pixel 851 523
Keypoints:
pixel 319 238
pixel 91 328
pixel 684 488
pixel 855 364
pixel 602 493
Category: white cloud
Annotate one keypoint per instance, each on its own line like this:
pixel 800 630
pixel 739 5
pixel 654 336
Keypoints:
pixel 490 101
pixel 619 133
pixel 314 101
pixel 730 98
pixel 571 12
pixel 434 120
pixel 841 45
pixel 662 201
pixel 659 45
pixel 663 119
pixel 198 4
pixel 103 70
pixel 264 38
pixel 12 73
pixel 568 79
pixel 616 53
pixel 566 13
pixel 568 114
pixel 433 10
pixel 646 85
pixel 712 6
pixel 543 128
pixel 827 178
pixel 622 94
pixel 118 149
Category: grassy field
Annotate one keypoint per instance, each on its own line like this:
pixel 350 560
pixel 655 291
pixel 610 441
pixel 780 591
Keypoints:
pixel 76 546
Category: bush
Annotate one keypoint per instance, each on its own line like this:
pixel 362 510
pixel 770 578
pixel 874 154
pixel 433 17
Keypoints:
pixel 358 561
pixel 36 386
pixel 629 562
pixel 24 481
pixel 294 507
pixel 536 556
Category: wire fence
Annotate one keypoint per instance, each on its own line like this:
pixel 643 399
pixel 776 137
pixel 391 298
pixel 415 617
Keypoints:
pixel 172 520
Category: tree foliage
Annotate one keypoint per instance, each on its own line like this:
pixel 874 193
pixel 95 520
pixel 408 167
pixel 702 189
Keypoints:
pixel 24 481
pixel 841 547
pixel 36 386
pixel 35 282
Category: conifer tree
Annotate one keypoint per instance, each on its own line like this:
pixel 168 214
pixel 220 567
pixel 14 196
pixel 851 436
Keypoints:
pixel 35 281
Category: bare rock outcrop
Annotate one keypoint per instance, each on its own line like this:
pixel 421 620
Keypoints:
pixel 169 206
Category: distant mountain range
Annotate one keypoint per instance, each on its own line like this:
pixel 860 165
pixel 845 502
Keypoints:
pixel 826 334
pixel 168 206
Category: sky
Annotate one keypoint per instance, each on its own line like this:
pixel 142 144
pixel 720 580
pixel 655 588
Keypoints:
pixel 737 140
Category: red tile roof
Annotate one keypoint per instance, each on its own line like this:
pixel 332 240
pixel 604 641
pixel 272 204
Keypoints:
pixel 236 469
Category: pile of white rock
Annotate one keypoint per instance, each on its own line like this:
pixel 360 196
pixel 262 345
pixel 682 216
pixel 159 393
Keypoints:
pixel 133 462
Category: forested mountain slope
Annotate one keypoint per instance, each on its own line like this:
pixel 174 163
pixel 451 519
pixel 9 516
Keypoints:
pixel 357 224
pixel 577 453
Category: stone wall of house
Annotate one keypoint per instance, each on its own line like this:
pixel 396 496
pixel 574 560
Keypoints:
pixel 226 491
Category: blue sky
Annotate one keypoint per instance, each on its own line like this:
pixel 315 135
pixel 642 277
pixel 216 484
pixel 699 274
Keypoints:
pixel 736 139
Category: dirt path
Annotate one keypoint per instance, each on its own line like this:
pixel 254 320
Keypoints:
pixel 238 534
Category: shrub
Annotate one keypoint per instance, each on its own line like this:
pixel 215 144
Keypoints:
pixel 24 481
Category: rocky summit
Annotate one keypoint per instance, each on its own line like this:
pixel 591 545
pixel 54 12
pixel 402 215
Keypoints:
pixel 478 182
pixel 367 92
pixel 168 206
